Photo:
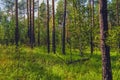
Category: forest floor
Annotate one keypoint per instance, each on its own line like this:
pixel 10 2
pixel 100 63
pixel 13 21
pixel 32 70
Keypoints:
pixel 35 64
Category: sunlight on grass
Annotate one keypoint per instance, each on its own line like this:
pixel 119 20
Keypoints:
pixel 36 64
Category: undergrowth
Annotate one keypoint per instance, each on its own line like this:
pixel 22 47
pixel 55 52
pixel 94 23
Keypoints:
pixel 25 63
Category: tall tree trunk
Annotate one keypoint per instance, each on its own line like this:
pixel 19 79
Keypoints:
pixel 16 29
pixel 117 13
pixel 91 38
pixel 53 30
pixel 38 25
pixel 28 18
pixel 33 22
pixel 117 23
pixel 105 49
pixel 64 29
pixel 30 22
pixel 48 36
pixel 79 6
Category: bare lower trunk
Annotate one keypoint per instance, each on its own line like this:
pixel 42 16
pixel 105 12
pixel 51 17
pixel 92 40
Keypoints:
pixel 105 49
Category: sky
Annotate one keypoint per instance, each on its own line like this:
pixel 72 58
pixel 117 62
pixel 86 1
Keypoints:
pixel 50 1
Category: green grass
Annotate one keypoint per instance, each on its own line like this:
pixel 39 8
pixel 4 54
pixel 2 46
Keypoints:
pixel 36 64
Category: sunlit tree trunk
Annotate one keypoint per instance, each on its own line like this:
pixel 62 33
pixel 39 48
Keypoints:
pixel 105 49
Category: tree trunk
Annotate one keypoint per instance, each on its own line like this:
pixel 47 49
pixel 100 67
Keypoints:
pixel 64 29
pixel 32 24
pixel 117 13
pixel 28 19
pixel 30 27
pixel 48 36
pixel 117 23
pixel 105 49
pixel 91 38
pixel 53 30
pixel 16 29
pixel 38 25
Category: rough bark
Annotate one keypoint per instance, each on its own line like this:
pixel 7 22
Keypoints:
pixel 105 49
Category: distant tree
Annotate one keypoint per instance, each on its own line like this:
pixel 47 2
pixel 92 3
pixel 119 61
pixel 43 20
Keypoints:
pixel 117 22
pixel 43 26
pixel 105 49
pixel 91 33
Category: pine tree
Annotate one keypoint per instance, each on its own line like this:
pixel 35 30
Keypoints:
pixel 105 49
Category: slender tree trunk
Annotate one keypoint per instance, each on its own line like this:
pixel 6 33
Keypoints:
pixel 64 29
pixel 38 25
pixel 33 33
pixel 117 23
pixel 91 15
pixel 105 49
pixel 53 30
pixel 80 25
pixel 28 18
pixel 91 38
pixel 117 13
pixel 16 29
pixel 30 23
pixel 48 36
pixel 74 8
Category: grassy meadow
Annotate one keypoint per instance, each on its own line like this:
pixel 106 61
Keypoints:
pixel 36 64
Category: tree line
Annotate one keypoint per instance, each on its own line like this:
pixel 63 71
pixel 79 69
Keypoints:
pixel 74 24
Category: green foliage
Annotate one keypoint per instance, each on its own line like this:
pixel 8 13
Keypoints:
pixel 27 64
